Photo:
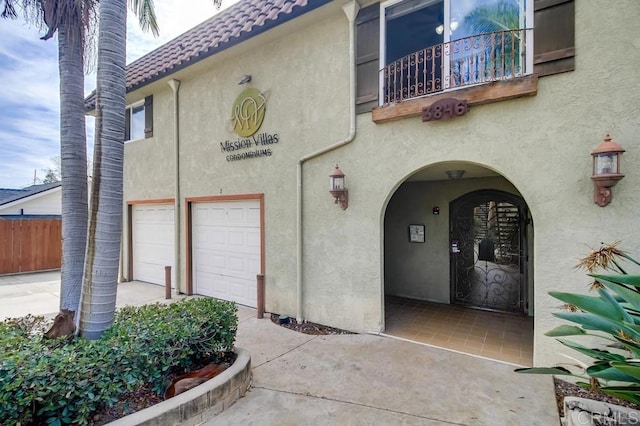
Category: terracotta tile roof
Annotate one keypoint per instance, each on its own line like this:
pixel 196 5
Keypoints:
pixel 242 21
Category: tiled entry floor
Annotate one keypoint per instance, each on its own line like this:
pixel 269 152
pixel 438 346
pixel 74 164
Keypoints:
pixel 499 336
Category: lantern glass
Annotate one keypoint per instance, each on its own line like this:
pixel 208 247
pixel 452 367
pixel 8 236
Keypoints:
pixel 337 183
pixel 605 163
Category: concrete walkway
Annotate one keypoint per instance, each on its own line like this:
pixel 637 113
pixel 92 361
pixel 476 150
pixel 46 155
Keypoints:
pixel 376 380
pixel 341 379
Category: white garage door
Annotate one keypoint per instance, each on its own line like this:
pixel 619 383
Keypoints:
pixel 153 242
pixel 226 249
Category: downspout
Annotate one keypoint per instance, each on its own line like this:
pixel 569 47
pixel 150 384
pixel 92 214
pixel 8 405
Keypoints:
pixel 175 85
pixel 351 10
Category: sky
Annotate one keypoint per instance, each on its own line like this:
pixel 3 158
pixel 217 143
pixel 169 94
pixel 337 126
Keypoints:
pixel 29 100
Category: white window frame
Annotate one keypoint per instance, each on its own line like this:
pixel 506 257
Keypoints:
pixel 129 110
pixel 526 15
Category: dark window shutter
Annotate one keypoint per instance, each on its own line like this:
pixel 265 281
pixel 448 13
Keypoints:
pixel 148 116
pixel 554 36
pixel 367 57
pixel 127 124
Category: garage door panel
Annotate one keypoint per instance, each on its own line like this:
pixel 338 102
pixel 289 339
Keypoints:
pixel 253 239
pixel 217 214
pixel 236 239
pixel 237 265
pixel 152 242
pixel 253 215
pixel 218 261
pixel 226 249
pixel 225 287
pixel 146 272
pixel 236 215
pixel 217 237
pixel 245 267
pixel 168 214
pixel 205 283
pixel 240 291
pixel 151 254
pixel 209 262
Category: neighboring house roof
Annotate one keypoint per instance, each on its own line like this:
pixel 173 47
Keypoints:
pixel 242 21
pixel 10 195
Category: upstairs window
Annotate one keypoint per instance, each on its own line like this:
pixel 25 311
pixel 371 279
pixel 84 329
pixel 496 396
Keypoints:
pixel 428 46
pixel 139 120
pixel 553 22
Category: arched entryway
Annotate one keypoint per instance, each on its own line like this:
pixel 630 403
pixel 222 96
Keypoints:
pixel 457 263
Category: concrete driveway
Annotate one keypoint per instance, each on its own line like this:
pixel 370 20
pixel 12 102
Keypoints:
pixel 341 379
pixel 39 294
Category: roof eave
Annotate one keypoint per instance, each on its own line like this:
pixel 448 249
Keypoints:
pixel 243 37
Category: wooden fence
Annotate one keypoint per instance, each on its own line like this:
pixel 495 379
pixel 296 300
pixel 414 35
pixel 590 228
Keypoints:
pixel 30 244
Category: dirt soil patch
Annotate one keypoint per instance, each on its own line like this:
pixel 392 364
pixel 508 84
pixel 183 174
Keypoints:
pixel 564 388
pixel 305 326
pixel 144 396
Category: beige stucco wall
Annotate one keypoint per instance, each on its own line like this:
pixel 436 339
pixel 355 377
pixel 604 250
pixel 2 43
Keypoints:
pixel 296 112
pixel 540 144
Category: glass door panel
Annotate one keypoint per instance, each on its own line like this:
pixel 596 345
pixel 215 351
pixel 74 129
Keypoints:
pixel 485 44
pixel 413 49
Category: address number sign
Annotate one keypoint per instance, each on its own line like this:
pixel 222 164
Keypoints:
pixel 444 109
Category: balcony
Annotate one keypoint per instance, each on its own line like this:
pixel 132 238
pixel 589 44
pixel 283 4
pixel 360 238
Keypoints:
pixel 467 63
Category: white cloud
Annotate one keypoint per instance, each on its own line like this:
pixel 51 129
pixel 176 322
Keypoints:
pixel 29 100
pixel 29 105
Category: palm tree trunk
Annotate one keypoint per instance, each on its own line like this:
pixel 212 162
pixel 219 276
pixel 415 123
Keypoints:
pixel 105 218
pixel 73 156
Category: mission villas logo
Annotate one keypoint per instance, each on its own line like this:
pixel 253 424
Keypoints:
pixel 247 116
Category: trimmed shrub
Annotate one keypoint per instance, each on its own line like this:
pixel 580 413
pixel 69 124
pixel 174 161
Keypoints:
pixel 66 381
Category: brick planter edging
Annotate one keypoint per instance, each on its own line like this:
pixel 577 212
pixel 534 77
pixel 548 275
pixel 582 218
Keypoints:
pixel 200 403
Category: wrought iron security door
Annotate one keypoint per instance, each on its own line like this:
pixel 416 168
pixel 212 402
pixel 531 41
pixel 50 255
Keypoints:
pixel 488 251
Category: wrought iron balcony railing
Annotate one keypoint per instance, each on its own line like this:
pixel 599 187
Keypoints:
pixel 464 62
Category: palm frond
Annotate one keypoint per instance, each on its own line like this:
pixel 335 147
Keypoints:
pixel 501 16
pixel 145 11
pixel 9 11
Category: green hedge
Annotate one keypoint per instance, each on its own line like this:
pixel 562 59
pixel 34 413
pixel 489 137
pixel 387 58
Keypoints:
pixel 66 381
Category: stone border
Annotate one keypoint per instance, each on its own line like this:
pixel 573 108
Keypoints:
pixel 583 412
pixel 200 403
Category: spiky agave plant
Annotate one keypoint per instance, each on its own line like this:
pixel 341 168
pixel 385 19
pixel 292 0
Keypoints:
pixel 612 316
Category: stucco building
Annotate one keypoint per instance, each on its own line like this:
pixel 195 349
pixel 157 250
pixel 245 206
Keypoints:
pixel 466 144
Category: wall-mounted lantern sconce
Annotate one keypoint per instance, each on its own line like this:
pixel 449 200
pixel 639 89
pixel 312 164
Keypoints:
pixel 606 170
pixel 337 188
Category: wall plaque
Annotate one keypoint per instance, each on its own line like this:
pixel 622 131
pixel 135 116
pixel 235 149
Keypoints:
pixel 416 233
pixel 247 113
